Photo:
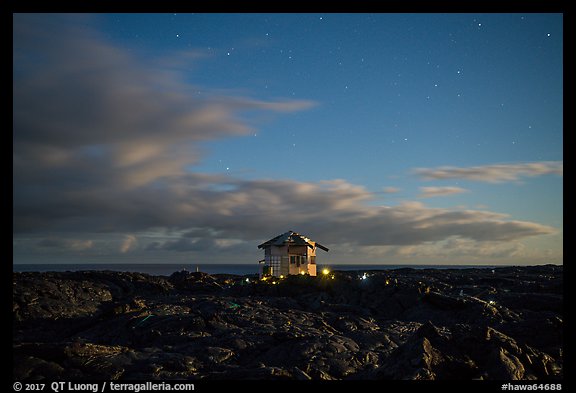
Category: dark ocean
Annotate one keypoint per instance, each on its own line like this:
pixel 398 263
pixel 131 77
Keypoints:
pixel 240 269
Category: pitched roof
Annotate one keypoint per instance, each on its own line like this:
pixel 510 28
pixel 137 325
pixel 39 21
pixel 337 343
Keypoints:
pixel 291 238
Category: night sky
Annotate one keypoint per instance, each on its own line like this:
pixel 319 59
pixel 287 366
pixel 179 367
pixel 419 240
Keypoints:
pixel 192 138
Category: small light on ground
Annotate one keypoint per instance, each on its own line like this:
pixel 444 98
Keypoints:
pixel 325 272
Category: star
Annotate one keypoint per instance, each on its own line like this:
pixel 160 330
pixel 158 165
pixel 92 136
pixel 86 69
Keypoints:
pixel 177 35
pixel 548 35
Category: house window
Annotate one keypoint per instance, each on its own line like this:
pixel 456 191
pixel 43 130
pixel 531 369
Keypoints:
pixel 298 259
pixel 313 260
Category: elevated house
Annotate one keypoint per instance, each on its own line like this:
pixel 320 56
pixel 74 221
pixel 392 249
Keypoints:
pixel 289 253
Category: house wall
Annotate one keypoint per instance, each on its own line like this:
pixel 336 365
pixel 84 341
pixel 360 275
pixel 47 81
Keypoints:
pixel 284 253
pixel 311 270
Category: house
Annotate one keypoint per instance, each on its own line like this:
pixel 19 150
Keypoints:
pixel 289 253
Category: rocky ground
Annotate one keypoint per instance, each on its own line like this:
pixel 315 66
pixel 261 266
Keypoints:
pixel 501 324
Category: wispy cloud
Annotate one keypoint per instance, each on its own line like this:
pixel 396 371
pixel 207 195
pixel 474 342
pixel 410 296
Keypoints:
pixel 496 173
pixel 70 244
pixel 128 243
pixel 430 192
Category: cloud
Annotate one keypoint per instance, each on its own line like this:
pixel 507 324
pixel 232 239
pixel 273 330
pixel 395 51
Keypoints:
pixel 105 122
pixel 105 116
pixel 496 173
pixel 128 244
pixel 187 244
pixel 334 212
pixel 105 143
pixel 391 190
pixel 430 192
pixel 66 244
pixel 460 249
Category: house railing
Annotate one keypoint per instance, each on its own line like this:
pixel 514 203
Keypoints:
pixel 272 265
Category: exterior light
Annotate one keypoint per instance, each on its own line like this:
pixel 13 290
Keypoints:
pixel 302 272
pixel 281 276
pixel 325 272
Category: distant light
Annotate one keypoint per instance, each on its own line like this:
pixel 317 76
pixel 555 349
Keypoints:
pixel 281 276
pixel 364 277
pixel 247 280
pixel 325 271
pixel 302 272
pixel 491 302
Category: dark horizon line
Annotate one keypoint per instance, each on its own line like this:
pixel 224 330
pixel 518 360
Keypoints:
pixel 248 264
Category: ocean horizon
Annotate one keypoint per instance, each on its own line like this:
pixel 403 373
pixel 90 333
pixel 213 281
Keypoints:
pixel 167 269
